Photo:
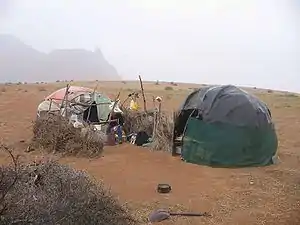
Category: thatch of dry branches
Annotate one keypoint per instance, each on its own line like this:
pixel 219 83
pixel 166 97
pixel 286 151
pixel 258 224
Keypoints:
pixel 144 121
pixel 54 133
pixel 50 193
pixel 163 136
pixel 135 121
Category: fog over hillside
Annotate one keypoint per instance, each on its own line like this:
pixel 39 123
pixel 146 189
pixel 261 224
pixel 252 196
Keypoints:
pixel 21 62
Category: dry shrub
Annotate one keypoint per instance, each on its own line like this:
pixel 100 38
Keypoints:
pixel 142 121
pixel 50 193
pixel 54 133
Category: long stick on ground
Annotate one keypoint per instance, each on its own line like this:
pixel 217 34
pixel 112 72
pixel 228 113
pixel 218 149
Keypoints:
pixel 143 94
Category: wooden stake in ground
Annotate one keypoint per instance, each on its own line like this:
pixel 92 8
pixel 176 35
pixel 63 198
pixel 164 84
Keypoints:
pixel 65 100
pixel 50 105
pixel 173 135
pixel 65 105
pixel 154 124
pixel 143 94
pixel 156 116
pixel 114 105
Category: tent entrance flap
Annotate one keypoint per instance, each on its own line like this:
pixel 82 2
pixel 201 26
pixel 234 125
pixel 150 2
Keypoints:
pixel 91 114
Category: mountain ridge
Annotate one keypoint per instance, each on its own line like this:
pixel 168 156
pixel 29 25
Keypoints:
pixel 21 62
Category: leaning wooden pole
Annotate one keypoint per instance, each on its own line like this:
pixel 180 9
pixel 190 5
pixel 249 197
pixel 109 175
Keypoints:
pixel 143 94
pixel 113 107
pixel 65 101
pixel 173 135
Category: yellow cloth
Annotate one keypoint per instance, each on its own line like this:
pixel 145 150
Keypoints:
pixel 134 105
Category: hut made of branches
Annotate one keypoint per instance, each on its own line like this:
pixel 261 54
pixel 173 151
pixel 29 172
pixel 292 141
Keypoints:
pixel 137 121
pixel 157 125
pixel 163 135
pixel 53 133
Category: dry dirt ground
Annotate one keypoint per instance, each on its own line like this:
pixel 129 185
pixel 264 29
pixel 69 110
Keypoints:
pixel 269 195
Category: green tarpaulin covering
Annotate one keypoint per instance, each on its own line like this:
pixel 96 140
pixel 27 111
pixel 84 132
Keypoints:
pixel 228 146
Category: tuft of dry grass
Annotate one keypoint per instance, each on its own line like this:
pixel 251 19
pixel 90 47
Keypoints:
pixel 54 133
pixel 42 89
pixel 47 192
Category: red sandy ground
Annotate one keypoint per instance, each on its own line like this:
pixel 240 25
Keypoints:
pixel 133 173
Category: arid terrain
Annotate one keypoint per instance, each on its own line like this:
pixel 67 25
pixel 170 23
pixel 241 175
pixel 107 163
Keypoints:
pixel 267 195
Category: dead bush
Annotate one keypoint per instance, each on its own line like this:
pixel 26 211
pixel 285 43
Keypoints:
pixel 47 192
pixel 54 133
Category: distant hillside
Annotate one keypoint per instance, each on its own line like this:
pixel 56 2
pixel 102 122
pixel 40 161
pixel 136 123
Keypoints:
pixel 21 62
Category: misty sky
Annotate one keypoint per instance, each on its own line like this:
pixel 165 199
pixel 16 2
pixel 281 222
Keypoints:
pixel 244 42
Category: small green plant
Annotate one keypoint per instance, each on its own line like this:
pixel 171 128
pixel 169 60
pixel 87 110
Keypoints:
pixel 169 88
